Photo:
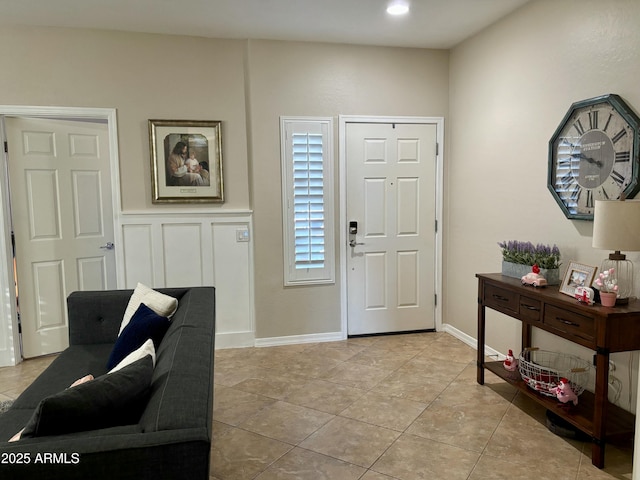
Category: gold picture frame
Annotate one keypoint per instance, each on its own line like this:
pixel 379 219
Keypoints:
pixel 186 161
pixel 577 275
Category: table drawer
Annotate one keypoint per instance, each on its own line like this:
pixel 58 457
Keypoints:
pixel 500 299
pixel 572 323
pixel 530 309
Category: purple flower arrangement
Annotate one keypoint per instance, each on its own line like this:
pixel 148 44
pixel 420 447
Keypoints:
pixel 526 253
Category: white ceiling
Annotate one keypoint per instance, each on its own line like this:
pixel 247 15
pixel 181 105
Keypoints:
pixel 430 23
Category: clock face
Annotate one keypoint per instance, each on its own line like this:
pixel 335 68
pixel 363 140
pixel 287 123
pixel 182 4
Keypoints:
pixel 593 155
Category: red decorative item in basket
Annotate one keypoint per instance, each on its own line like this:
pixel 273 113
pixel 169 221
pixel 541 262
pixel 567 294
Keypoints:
pixel 543 371
pixel 546 378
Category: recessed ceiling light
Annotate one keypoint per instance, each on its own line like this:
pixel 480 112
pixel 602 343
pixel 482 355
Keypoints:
pixel 398 7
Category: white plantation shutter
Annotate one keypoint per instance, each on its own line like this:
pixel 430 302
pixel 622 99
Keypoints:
pixel 307 200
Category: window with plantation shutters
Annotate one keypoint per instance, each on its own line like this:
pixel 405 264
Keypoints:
pixel 307 195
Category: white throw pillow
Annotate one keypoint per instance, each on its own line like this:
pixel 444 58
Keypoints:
pixel 146 348
pixel 160 303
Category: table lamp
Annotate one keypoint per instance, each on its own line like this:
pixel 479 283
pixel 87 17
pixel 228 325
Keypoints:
pixel 616 226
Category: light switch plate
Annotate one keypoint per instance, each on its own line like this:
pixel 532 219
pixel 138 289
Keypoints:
pixel 242 235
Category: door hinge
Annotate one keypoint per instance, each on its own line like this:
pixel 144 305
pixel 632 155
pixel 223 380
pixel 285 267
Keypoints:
pixel 6 147
pixel 435 299
pixel 436 226
pixel 437 148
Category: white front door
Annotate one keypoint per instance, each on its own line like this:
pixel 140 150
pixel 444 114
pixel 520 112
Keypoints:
pixel 60 181
pixel 391 197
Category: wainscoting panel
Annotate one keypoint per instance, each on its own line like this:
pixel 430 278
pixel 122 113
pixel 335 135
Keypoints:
pixel 137 249
pixel 233 281
pixel 171 250
pixel 183 255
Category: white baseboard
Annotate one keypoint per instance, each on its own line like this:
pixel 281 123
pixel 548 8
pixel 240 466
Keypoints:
pixel 247 339
pixel 235 340
pixel 297 339
pixel 472 342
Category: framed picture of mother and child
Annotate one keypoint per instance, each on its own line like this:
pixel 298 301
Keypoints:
pixel 186 161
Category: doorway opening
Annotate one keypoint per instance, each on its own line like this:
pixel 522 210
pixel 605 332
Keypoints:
pixel 12 306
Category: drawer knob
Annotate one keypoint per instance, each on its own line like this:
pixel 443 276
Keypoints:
pixel 530 307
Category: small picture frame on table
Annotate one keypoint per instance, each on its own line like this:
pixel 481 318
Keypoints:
pixel 577 275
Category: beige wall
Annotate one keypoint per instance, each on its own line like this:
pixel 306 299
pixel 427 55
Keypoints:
pixel 247 85
pixel 510 87
pixel 321 80
pixel 142 76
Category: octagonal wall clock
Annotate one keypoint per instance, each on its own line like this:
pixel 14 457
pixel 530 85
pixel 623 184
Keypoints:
pixel 594 155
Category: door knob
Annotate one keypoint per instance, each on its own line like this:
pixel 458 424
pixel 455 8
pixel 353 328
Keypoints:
pixel 353 243
pixel 108 246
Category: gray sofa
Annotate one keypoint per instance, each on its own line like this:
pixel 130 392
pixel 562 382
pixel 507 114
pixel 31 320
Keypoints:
pixel 171 440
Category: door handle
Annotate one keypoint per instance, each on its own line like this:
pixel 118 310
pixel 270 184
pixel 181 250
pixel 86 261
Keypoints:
pixel 108 246
pixel 353 243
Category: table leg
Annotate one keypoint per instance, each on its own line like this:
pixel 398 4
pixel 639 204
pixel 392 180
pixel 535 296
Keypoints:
pixel 600 408
pixel 526 336
pixel 481 334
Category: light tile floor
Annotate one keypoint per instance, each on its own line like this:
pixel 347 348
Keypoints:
pixel 403 407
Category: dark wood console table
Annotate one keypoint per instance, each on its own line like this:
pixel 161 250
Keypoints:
pixel 604 330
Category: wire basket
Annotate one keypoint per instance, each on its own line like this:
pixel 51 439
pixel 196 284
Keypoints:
pixel 542 370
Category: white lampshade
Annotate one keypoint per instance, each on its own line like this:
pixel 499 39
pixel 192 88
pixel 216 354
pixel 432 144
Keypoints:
pixel 616 225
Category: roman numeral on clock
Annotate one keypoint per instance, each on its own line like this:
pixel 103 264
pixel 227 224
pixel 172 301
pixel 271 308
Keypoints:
pixel 564 162
pixel 593 120
pixel 578 126
pixel 623 156
pixel 617 177
pixel 619 135
pixel 575 193
pixel 589 199
pixel 567 180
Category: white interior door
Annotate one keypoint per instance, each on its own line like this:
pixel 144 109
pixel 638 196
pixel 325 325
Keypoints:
pixel 391 194
pixel 60 181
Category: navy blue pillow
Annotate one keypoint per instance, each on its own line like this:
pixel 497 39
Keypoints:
pixel 145 324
